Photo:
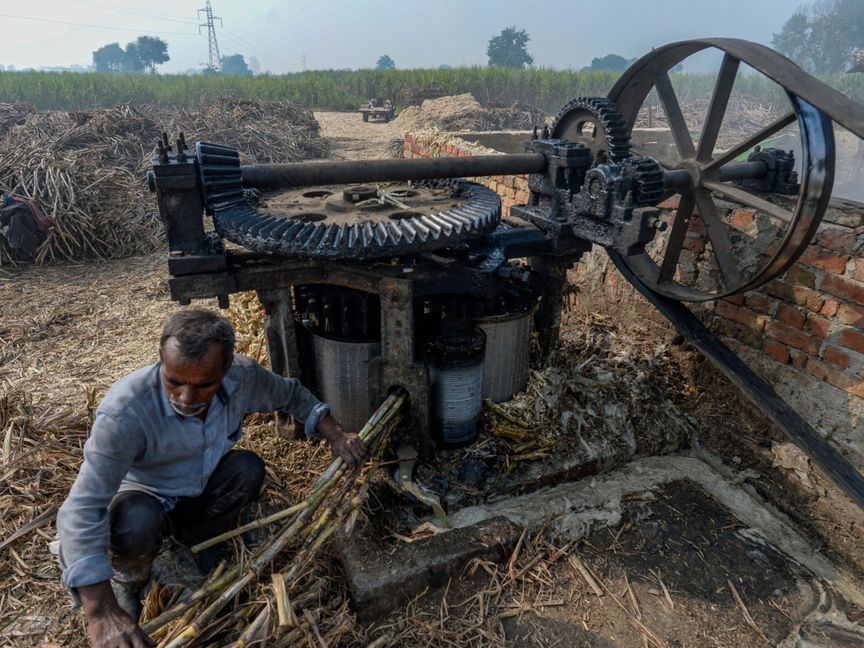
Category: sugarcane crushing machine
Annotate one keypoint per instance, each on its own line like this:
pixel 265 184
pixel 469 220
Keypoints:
pixel 379 273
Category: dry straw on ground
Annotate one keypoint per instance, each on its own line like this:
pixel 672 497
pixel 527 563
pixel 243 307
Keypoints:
pixel 87 169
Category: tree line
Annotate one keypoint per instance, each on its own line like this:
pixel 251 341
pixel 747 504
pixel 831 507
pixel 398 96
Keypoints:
pixel 146 52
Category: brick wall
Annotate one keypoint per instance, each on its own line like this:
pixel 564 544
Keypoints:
pixel 804 331
pixel 513 189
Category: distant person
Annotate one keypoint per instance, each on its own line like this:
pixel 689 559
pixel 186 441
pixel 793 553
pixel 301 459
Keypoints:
pixel 159 462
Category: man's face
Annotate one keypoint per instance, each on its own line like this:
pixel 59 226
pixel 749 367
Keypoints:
pixel 191 384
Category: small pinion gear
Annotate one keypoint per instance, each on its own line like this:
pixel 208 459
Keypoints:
pixel 595 123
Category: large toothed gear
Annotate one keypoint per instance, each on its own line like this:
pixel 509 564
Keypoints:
pixel 343 223
pixel 595 123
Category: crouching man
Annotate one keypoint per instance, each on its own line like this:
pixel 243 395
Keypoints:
pixel 159 461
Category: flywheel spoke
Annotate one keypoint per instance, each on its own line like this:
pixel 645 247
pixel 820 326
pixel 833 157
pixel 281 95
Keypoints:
pixel 677 124
pixel 749 143
pixel 718 235
pixel 746 198
pixel 717 107
pixel 675 240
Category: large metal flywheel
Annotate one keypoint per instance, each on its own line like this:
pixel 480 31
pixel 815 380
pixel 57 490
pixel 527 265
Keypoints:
pixel 698 169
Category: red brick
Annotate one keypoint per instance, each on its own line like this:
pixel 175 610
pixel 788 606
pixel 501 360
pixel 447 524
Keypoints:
pixel 776 350
pixel 696 225
pixel 838 239
pixel 695 243
pixel 798 276
pixel 852 339
pixel 743 218
pixel 792 316
pixel 832 376
pixel 793 337
pixel 827 261
pixel 829 308
pixel 817 326
pixel 521 197
pixel 737 332
pixel 857 389
pixel 843 288
pixel 858 272
pixel 738 300
pixel 761 303
pixel 799 359
pixel 852 315
pixel 836 357
pixel 809 299
pixel 743 316
pixel 670 203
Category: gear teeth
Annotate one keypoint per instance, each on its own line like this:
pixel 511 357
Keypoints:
pixel 649 180
pixel 606 112
pixel 236 220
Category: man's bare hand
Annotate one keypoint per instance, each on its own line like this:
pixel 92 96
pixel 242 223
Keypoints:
pixel 107 625
pixel 350 447
pixel 347 445
pixel 114 629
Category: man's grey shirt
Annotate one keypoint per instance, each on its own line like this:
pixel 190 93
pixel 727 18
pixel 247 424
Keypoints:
pixel 138 442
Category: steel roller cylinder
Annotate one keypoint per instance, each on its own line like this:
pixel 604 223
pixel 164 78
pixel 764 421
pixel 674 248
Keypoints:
pixel 456 376
pixel 508 343
pixel 342 373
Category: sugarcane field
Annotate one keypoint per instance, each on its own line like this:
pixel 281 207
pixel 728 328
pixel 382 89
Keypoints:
pixel 456 334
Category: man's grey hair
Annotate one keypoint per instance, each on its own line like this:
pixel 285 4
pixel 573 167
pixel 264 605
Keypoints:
pixel 195 330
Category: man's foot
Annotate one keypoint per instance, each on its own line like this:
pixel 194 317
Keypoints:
pixel 177 568
pixel 128 595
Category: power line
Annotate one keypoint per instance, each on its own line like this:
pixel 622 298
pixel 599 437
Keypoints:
pixel 133 12
pixel 252 48
pixel 76 24
pixel 215 59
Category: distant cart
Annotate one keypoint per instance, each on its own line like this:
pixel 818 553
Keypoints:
pixel 379 109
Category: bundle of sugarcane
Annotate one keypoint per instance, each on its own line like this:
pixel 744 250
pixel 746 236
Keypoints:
pixel 199 613
pixel 86 169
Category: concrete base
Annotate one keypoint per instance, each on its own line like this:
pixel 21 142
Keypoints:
pixel 381 579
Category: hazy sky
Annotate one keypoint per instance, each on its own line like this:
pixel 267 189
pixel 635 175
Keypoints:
pixel 353 34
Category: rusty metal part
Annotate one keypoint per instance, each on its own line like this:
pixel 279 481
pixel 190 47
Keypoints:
pixel 701 174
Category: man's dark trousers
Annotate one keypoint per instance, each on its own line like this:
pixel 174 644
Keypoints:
pixel 139 522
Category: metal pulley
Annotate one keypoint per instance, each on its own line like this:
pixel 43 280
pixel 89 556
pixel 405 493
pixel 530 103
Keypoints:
pixel 700 172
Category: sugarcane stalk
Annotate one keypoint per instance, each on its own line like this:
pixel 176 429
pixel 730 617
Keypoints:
pixel 264 556
pixel 321 527
pixel 255 524
pixel 255 628
pixel 377 424
pixel 209 588
pixel 392 403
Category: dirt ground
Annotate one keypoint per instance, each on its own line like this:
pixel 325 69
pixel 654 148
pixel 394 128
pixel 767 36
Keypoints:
pixel 353 139
pixel 678 567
